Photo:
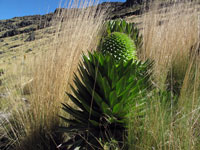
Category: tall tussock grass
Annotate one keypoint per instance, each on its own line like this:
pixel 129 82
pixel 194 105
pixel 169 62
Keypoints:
pixel 170 35
pixel 50 74
pixel 170 39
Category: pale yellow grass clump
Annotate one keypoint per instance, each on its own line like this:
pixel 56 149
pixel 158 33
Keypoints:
pixel 175 39
pixel 171 38
pixel 49 75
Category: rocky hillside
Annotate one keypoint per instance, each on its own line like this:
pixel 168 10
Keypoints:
pixel 19 34
pixel 24 37
pixel 19 25
pixel 27 24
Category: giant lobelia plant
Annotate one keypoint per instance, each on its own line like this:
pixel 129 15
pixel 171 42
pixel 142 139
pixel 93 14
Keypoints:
pixel 106 90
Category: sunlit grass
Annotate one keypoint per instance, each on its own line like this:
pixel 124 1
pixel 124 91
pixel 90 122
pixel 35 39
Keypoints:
pixel 48 75
pixel 173 119
pixel 173 45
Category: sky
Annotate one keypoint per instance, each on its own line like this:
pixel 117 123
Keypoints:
pixel 18 8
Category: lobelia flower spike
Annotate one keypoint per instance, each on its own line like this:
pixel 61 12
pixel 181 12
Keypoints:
pixel 121 40
pixel 120 46
pixel 122 26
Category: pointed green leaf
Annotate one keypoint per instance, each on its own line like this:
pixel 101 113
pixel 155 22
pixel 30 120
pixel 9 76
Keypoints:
pixel 113 98
pixel 106 109
pixel 94 123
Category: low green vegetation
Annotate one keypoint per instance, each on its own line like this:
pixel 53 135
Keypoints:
pixel 104 96
pixel 112 83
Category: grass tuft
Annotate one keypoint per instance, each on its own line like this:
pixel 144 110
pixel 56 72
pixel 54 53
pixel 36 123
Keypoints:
pixel 33 124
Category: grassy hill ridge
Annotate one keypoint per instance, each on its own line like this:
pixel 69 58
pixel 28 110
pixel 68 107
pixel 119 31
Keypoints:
pixel 19 36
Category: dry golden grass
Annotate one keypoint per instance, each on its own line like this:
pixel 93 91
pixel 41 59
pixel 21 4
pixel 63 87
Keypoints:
pixel 172 42
pixel 174 46
pixel 48 74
